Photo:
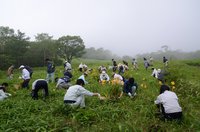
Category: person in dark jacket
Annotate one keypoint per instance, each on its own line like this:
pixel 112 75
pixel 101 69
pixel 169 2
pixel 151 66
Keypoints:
pixel 50 71
pixel 130 87
pixel 37 85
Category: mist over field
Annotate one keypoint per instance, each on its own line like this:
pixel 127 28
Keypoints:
pixel 125 27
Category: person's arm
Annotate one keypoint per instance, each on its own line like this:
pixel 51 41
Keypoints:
pixel 58 83
pixel 8 94
pixel 158 100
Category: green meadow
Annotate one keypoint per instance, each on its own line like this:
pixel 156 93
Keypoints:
pixel 21 113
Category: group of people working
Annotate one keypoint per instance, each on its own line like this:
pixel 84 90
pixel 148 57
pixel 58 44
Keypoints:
pixel 167 101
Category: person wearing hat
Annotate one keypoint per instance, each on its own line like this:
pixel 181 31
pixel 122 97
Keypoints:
pixel 25 76
pixel 83 76
pixel 167 102
pixel 104 76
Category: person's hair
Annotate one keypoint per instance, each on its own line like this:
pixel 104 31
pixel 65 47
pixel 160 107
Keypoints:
pixel 80 82
pixel 47 59
pixel 163 88
pixel 131 80
pixel 56 79
pixel 5 84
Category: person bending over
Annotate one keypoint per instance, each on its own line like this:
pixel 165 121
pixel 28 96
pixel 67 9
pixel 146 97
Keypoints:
pixel 75 95
pixel 167 102
pixel 37 85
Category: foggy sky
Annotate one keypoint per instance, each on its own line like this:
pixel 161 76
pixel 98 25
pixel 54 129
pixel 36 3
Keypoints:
pixel 126 27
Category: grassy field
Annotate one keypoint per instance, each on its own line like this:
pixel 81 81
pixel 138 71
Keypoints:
pixel 20 113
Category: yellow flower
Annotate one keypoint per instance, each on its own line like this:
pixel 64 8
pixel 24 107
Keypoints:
pixel 142 85
pixel 160 82
pixel 172 83
pixel 145 86
pixel 173 87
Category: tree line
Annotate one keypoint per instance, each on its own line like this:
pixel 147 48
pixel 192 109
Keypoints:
pixel 16 48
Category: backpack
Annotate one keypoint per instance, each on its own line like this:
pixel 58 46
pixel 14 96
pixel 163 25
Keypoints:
pixel 30 70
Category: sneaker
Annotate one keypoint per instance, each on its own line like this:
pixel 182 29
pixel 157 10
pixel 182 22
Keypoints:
pixel 130 95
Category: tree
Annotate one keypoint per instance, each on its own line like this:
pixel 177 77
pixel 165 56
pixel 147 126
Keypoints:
pixel 12 46
pixel 70 46
pixel 43 37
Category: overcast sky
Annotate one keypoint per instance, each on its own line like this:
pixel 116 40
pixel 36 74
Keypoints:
pixel 126 27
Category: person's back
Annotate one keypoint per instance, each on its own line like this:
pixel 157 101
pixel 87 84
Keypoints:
pixel 37 85
pixel 170 102
pixel 129 84
pixel 167 102
pixel 75 95
pixel 30 70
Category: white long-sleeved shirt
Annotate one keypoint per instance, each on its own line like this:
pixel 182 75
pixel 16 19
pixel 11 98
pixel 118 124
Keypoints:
pixel 68 66
pixel 169 100
pixel 75 91
pixel 25 74
pixel 117 76
pixel 155 73
pixel 3 95
pixel 104 76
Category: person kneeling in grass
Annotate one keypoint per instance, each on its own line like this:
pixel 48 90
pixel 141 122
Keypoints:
pixel 130 87
pixel 37 85
pixel 75 95
pixel 167 102
pixel 3 94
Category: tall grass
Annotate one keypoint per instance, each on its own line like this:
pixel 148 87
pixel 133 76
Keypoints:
pixel 20 113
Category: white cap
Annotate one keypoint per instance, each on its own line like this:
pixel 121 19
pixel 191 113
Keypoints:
pixel 22 66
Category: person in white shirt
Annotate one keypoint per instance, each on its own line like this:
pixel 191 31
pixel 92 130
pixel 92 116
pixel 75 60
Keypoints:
pixel 82 67
pixel 104 76
pixel 75 95
pixel 134 63
pixel 117 76
pixel 37 85
pixel 25 76
pixel 155 72
pixel 167 102
pixel 67 66
pixel 3 94
pixel 63 82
